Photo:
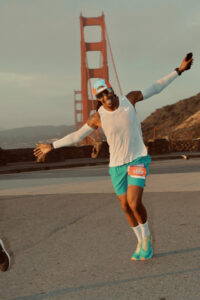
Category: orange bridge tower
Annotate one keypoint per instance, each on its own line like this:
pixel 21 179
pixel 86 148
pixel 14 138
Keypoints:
pixel 84 103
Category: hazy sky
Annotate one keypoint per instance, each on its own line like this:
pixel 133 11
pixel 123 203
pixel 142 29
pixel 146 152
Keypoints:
pixel 40 53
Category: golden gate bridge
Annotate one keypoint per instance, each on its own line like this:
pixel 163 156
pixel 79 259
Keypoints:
pixel 84 102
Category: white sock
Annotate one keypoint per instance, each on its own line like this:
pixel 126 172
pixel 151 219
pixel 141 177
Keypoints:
pixel 138 233
pixel 145 230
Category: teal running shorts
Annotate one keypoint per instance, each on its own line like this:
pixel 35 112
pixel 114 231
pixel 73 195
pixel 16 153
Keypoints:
pixel 133 173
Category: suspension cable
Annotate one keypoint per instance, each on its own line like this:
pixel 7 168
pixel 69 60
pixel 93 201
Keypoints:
pixel 90 86
pixel 115 70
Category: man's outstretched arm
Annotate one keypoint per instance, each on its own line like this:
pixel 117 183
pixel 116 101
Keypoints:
pixel 69 139
pixel 159 85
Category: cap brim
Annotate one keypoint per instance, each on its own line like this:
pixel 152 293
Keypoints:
pixel 102 89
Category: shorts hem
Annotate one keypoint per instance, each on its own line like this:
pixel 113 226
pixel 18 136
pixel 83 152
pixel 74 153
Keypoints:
pixel 137 184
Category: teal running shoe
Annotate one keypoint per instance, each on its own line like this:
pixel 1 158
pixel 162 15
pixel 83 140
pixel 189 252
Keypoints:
pixel 146 251
pixel 136 254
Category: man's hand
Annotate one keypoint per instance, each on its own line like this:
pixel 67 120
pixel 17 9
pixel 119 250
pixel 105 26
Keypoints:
pixel 186 63
pixel 42 149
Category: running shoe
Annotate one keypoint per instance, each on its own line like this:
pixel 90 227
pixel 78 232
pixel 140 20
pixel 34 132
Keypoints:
pixel 4 258
pixel 136 254
pixel 146 251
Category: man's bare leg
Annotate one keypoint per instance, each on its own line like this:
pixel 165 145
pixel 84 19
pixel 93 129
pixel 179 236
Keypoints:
pixel 134 199
pixel 133 223
pixel 127 210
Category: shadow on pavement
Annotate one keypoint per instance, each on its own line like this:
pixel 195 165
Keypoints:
pixel 65 291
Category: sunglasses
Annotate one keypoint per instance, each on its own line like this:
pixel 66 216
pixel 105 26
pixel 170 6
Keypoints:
pixel 105 92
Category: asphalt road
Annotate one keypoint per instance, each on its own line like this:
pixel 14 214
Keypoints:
pixel 69 239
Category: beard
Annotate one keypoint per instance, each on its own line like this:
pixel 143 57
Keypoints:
pixel 110 100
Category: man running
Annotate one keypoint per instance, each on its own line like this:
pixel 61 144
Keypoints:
pixel 129 160
pixel 4 258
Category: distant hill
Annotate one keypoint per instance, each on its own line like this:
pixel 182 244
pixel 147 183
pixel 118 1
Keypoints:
pixel 27 137
pixel 180 120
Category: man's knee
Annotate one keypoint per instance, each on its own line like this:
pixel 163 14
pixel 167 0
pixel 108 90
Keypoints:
pixel 124 203
pixel 134 197
pixel 134 202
